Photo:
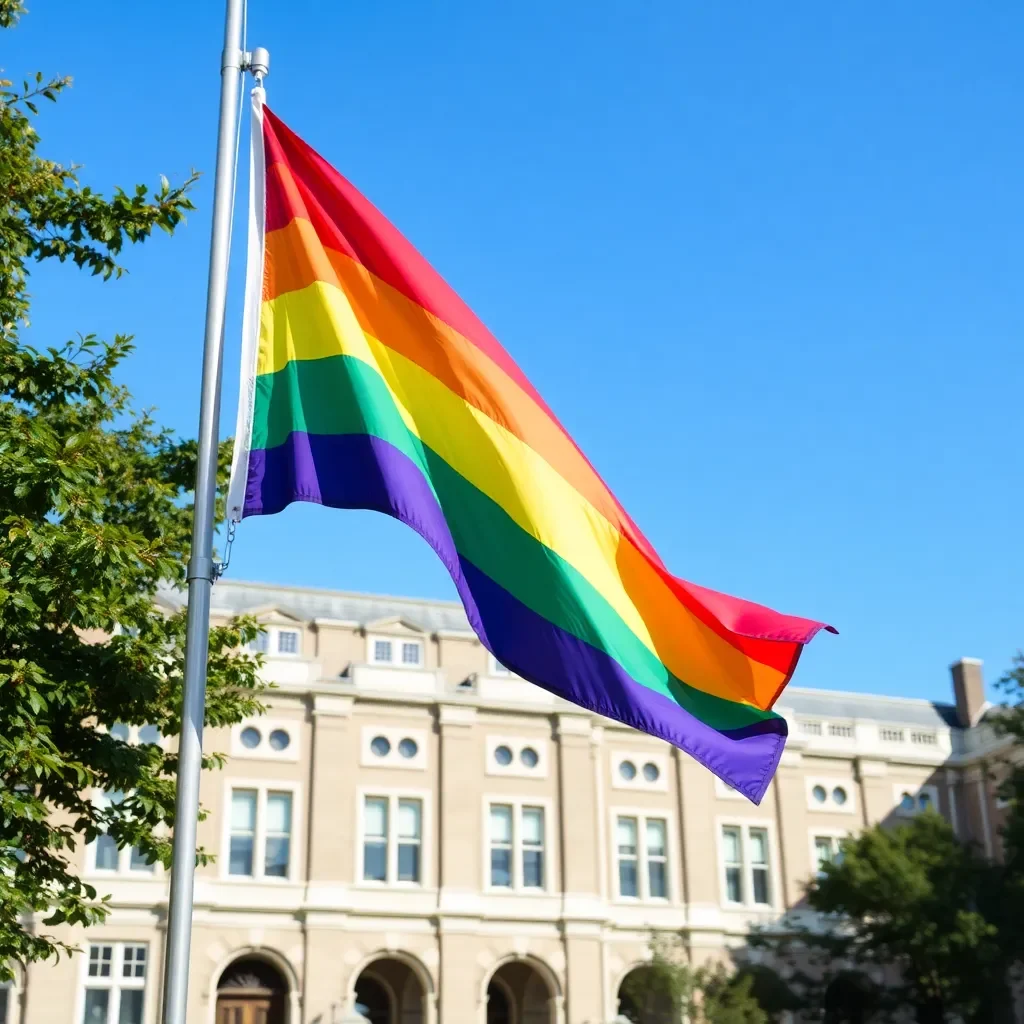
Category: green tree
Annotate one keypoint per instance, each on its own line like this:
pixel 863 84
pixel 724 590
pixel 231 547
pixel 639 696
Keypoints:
pixel 915 901
pixel 669 990
pixel 94 516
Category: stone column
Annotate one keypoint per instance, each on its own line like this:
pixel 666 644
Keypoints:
pixel 581 860
pixel 460 869
pixel 875 790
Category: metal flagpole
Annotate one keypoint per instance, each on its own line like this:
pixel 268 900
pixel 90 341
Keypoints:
pixel 201 570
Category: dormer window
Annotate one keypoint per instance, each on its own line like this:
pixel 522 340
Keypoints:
pixel 401 653
pixel 287 641
pixel 278 641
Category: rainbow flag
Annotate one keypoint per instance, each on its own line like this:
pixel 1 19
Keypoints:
pixel 367 383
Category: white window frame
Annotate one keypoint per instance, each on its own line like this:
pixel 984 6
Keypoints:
pixel 393 796
pixel 259 853
pixel 496 670
pixel 517 803
pixel 116 983
pixel 397 651
pixel 915 790
pixel 263 751
pixel 747 867
pixel 829 784
pixel 278 653
pixel 393 758
pixel 640 759
pixel 273 631
pixel 835 834
pixel 642 814
pixel 516 745
pixel 124 867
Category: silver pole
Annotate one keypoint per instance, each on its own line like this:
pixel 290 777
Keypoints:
pixel 200 572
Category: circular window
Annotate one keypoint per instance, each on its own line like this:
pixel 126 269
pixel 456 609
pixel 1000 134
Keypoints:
pixel 381 746
pixel 839 795
pixel 907 802
pixel 149 734
pixel 279 739
pixel 408 748
pixel 819 794
pixel 924 801
pixel 529 757
pixel 251 737
pixel 627 770
pixel 651 772
pixel 503 755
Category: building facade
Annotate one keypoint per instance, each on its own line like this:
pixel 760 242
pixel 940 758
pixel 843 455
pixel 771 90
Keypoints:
pixel 413 834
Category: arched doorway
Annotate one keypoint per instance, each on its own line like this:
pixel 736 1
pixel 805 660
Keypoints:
pixel 644 997
pixel 517 993
pixel 252 991
pixel 389 991
pixel 851 998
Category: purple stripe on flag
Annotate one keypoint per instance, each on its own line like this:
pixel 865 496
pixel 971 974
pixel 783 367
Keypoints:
pixel 358 471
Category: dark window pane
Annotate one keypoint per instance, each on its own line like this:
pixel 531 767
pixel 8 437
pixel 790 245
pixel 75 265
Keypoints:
pixel 240 856
pixel 533 869
pixel 408 862
pixel 760 885
pixel 733 888
pixel 138 861
pixel 276 865
pixel 131 1006
pixel 627 878
pixel 106 854
pixel 501 868
pixel 375 858
pixel 3 1005
pixel 656 879
pixel 96 1002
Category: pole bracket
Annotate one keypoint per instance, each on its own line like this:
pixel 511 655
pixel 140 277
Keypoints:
pixel 256 62
pixel 200 568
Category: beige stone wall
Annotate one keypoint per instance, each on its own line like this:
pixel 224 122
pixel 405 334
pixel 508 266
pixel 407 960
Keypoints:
pixel 560 954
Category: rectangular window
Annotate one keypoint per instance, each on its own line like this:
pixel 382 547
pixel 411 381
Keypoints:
pixel 759 865
pixel 516 841
pixel 641 851
pixel 260 644
pixel 4 1002
pixel 115 984
pixel 412 654
pixel 496 668
pixel 732 852
pixel 105 851
pixel 657 873
pixel 533 847
pixel 746 865
pixel 393 839
pixel 277 843
pixel 501 846
pixel 826 851
pixel 626 843
pixel 287 641
pixel 409 839
pixel 243 832
pixel 375 839
pixel 382 652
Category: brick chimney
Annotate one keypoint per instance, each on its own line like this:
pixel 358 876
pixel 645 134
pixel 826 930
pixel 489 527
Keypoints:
pixel 969 689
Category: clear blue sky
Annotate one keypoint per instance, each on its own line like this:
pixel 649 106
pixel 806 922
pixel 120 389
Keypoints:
pixel 763 260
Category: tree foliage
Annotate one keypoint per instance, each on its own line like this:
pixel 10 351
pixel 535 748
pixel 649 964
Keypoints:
pixel 913 904
pixel 94 516
pixel 668 989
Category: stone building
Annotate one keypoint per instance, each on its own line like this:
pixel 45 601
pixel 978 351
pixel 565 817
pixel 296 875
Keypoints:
pixel 413 833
